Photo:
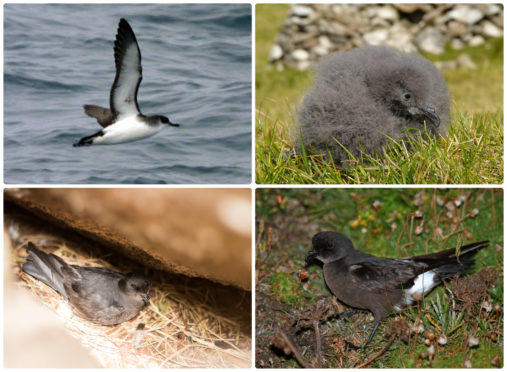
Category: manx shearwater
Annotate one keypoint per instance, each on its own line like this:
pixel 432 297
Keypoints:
pixel 123 121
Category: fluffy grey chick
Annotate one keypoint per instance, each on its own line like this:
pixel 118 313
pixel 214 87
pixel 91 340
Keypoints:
pixel 363 96
pixel 97 294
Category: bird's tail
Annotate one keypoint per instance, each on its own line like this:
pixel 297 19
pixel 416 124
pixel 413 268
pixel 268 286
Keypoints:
pixel 447 264
pixel 45 267
pixel 88 140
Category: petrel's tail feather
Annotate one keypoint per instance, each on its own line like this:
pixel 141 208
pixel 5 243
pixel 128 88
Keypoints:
pixel 45 267
pixel 447 264
pixel 88 140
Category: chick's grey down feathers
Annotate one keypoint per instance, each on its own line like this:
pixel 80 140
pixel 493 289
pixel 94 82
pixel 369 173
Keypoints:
pixel 96 294
pixel 362 97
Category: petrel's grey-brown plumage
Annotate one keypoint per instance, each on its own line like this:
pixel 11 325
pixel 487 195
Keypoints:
pixel 365 96
pixel 384 285
pixel 97 294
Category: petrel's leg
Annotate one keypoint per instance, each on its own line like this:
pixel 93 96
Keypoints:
pixel 371 335
pixel 344 315
pixel 351 346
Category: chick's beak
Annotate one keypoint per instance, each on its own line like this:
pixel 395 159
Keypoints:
pixel 430 113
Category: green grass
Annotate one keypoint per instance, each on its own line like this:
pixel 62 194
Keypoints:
pixel 472 153
pixel 287 220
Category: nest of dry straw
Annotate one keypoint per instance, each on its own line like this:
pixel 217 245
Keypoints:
pixel 182 325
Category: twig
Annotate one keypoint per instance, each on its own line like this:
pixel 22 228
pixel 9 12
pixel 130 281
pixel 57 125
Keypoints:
pixel 287 343
pixel 364 364
pixel 317 346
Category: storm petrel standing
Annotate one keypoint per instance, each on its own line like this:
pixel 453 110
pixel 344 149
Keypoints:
pixel 123 122
pixel 384 285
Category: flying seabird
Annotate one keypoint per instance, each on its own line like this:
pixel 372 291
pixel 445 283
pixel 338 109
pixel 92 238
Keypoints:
pixel 385 285
pixel 97 294
pixel 123 122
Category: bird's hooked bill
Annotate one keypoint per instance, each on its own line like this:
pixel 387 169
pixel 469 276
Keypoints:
pixel 431 114
pixel 146 298
pixel 310 256
pixel 173 124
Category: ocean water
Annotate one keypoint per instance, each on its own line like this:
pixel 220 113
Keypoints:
pixel 196 70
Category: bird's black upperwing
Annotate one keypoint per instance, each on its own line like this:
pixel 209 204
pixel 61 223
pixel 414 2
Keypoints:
pixel 127 57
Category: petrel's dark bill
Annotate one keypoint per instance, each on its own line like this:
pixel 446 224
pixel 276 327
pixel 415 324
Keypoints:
pixel 173 124
pixel 310 256
pixel 431 114
pixel 146 298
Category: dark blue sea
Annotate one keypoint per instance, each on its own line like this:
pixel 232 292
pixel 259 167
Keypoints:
pixel 196 70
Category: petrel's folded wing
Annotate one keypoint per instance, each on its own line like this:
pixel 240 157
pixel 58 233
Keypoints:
pixel 381 274
pixel 127 57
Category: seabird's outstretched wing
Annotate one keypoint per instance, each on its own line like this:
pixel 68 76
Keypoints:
pixel 127 57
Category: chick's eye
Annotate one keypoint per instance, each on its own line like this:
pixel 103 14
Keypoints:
pixel 407 96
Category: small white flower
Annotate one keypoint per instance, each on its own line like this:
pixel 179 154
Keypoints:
pixel 473 341
pixel 431 350
pixel 486 305
pixel 442 339
pixel 417 328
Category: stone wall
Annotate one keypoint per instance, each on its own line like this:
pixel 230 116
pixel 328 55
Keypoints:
pixel 312 31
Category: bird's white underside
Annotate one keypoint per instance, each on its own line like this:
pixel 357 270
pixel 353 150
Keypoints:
pixel 126 130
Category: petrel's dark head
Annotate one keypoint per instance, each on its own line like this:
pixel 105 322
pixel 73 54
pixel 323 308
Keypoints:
pixel 134 285
pixel 165 120
pixel 329 246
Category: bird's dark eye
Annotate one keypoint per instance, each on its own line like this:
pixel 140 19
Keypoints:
pixel 407 96
pixel 164 120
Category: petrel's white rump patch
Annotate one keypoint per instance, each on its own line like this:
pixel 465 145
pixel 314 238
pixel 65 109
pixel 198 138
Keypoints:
pixel 423 283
